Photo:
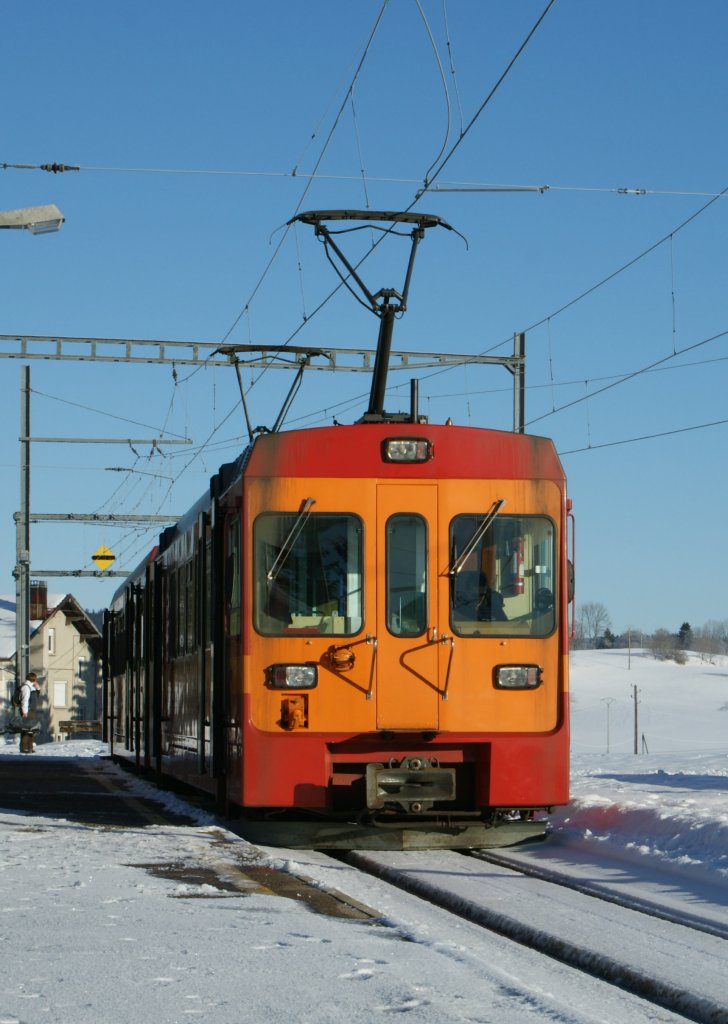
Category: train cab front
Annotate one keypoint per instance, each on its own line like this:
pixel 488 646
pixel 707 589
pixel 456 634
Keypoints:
pixel 404 662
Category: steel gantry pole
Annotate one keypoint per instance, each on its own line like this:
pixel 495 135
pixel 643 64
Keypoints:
pixel 23 519
pixel 22 537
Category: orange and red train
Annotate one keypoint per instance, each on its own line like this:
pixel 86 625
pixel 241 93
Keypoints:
pixel 359 635
pixel 360 624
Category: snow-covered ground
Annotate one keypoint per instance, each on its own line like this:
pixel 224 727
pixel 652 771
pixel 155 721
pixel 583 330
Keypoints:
pixel 670 803
pixel 93 934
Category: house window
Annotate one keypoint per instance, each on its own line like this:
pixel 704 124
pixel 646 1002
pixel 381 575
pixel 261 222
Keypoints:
pixel 51 640
pixel 60 691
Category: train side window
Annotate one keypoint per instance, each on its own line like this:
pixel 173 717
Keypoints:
pixel 232 577
pixel 506 584
pixel 181 575
pixel 406 575
pixel 119 641
pixel 308 581
pixel 208 592
pixel 173 615
pixel 190 609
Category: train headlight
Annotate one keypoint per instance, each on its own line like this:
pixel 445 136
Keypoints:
pixel 292 677
pixel 406 449
pixel 517 677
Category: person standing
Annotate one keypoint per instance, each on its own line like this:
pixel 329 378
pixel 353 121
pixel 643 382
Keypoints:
pixel 28 690
pixel 28 728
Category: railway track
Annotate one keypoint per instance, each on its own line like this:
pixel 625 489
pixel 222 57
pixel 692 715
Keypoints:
pixel 672 965
pixel 601 892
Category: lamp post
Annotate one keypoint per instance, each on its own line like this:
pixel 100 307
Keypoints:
pixel 39 220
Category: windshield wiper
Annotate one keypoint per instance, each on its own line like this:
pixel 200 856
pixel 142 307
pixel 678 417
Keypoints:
pixel 287 545
pixel 459 561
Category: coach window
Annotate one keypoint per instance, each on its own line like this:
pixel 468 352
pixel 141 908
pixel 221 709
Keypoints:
pixel 181 608
pixel 406 574
pixel 232 577
pixel 502 580
pixel 208 592
pixel 308 575
pixel 190 609
pixel 173 615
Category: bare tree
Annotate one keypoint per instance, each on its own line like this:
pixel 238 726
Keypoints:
pixel 711 639
pixel 666 646
pixel 592 620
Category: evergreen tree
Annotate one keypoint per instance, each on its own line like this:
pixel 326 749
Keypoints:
pixel 685 637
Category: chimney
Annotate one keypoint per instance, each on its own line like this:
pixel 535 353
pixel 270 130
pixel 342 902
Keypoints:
pixel 38 599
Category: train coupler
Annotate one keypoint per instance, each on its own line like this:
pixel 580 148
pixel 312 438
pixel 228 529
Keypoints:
pixel 413 784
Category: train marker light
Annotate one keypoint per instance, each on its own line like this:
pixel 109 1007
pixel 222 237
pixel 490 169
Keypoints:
pixel 517 677
pixel 292 677
pixel 407 449
pixel 294 712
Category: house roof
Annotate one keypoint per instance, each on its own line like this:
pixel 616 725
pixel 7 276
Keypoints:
pixel 57 604
pixel 75 614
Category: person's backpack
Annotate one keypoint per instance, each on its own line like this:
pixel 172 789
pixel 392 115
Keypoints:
pixel 17 698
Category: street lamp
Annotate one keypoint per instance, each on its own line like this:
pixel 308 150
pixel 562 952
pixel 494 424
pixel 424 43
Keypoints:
pixel 39 220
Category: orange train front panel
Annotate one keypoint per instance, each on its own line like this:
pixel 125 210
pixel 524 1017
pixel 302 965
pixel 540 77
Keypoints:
pixel 362 625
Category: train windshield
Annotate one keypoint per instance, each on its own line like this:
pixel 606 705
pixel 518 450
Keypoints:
pixel 507 583
pixel 308 576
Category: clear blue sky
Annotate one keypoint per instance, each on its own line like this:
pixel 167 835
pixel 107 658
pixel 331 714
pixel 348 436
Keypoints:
pixel 150 98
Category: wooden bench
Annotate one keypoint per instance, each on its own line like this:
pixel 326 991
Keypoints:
pixel 79 725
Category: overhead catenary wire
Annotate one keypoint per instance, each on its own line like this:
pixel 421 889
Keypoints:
pixel 445 89
pixel 446 159
pixel 104 412
pixel 324 415
pixel 442 186
pixel 632 375
pixel 546 320
pixel 643 437
pixel 448 45
pixel 630 263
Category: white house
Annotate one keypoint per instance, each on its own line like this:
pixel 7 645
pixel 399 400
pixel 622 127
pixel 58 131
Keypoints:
pixel 65 651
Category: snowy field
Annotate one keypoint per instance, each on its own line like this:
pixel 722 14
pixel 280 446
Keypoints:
pixel 99 938
pixel 670 803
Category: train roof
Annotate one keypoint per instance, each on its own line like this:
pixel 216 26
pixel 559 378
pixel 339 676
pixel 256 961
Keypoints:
pixel 356 451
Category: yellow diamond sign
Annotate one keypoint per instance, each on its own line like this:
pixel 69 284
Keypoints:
pixel 103 557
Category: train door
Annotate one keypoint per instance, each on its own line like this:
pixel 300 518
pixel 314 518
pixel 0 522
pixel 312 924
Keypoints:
pixel 408 689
